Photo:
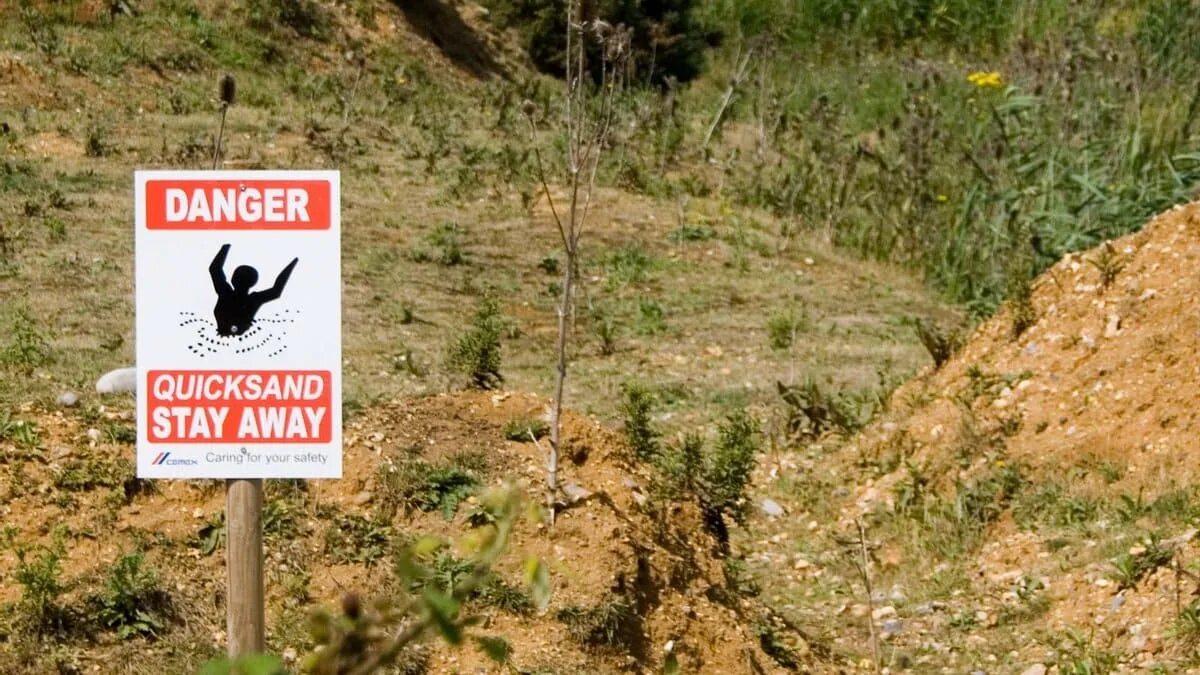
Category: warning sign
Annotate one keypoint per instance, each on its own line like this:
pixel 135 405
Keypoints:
pixel 238 324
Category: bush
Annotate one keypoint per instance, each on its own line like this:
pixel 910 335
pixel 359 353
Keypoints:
pixel 640 433
pixel 306 17
pixel 727 473
pixel 416 484
pixel 477 352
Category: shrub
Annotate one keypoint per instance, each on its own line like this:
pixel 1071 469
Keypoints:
pixel 608 624
pixel 477 352
pixel 727 473
pixel 940 343
pixel 812 411
pixel 640 433
pixel 680 468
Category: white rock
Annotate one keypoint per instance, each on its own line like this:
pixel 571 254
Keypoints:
pixel 771 507
pixel 575 493
pixel 118 381
pixel 1035 669
pixel 68 399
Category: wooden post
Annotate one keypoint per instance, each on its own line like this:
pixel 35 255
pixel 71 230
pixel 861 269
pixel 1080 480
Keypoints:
pixel 244 563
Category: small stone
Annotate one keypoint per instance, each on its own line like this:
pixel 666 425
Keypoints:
pixel 60 453
pixel 68 399
pixel 121 380
pixel 1113 327
pixel 575 493
pixel 362 498
pixel 891 627
pixel 93 435
pixel 1035 669
pixel 771 507
pixel 1117 602
pixel 885 612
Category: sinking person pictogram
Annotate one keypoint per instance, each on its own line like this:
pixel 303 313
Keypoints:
pixel 237 326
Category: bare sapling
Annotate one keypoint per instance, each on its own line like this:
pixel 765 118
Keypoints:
pixel 586 122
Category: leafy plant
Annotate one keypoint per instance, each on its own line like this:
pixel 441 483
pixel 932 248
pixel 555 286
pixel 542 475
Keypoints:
pixel 1109 263
pixel 1150 554
pixel 812 411
pixel 522 429
pixel 354 539
pixel 728 470
pixel 651 317
pixel 39 573
pixel 211 534
pixel 133 602
pixel 477 352
pixel 416 484
pixel 608 623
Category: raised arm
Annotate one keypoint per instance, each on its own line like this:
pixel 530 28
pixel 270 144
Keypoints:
pixel 275 291
pixel 216 270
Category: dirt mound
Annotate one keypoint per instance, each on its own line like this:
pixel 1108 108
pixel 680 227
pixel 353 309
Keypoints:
pixel 657 575
pixel 1076 441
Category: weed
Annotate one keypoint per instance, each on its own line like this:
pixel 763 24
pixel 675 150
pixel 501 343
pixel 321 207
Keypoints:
pixel 1019 297
pixel 651 317
pixel 1129 568
pixel 628 265
pixel 549 264
pixel 306 17
pixel 1078 655
pixel 1109 263
pixel 97 143
pixel 24 433
pixel 604 326
pixel 95 472
pixel 1186 627
pixel 523 429
pixel 416 484
pixel 774 646
pixel 812 411
pixel 354 539
pixel 640 433
pixel 443 245
pixel 477 352
pixel 211 534
pixel 782 328
pixel 40 609
pixel 27 347
pixel 608 623
pixel 133 602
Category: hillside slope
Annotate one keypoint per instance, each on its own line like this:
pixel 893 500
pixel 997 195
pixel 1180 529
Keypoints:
pixel 1034 500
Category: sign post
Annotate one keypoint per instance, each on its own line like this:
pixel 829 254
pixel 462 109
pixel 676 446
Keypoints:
pixel 238 283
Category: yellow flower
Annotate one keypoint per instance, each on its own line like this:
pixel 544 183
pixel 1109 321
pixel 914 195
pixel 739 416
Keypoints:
pixel 943 198
pixel 988 79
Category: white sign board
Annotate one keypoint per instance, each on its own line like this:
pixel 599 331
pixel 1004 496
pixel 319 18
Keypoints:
pixel 238 324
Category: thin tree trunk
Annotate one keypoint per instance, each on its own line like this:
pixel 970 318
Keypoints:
pixel 560 377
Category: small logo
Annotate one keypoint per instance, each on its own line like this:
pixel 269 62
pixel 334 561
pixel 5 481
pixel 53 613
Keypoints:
pixel 164 458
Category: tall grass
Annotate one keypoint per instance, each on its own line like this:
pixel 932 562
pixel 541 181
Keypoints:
pixel 1077 125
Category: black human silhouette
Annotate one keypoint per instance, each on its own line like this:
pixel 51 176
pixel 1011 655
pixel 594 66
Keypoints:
pixel 236 305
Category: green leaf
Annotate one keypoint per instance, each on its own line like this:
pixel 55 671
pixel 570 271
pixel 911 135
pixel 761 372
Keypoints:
pixel 443 609
pixel 258 664
pixel 537 576
pixel 217 667
pixel 671 665
pixel 497 648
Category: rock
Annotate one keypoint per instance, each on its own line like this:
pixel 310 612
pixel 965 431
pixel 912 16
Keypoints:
pixel 771 507
pixel 60 453
pixel 118 381
pixel 1113 327
pixel 891 627
pixel 1035 669
pixel 885 612
pixel 1117 601
pixel 362 498
pixel 575 493
pixel 68 399
pixel 93 434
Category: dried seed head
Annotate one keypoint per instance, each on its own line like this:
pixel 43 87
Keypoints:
pixel 528 108
pixel 228 90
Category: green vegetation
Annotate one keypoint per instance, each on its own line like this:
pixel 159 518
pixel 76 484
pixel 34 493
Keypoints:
pixel 41 612
pixel 477 351
pixel 417 484
pixel 133 601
